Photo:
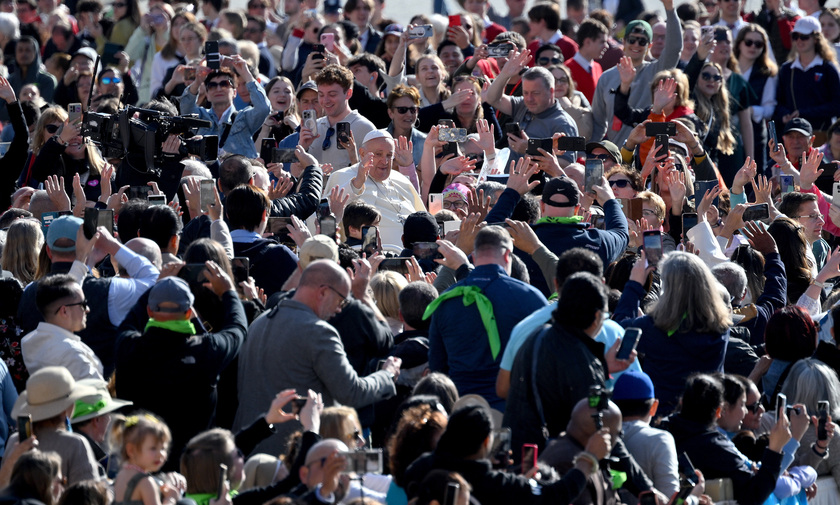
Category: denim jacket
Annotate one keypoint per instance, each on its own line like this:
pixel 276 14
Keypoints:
pixel 247 121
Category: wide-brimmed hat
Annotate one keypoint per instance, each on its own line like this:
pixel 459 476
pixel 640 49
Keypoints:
pixel 96 404
pixel 49 392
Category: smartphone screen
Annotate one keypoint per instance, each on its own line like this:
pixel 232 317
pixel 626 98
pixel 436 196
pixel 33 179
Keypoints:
pixel 193 273
pixel 689 221
pixel 94 218
pixel 426 250
pixel 594 174
pixel 328 226
pixel 822 412
pixel 786 183
pixel 157 199
pixel 453 491
pixel 370 240
pixel 756 212
pixel 138 192
pixel 771 130
pixel 628 343
pixel 208 197
pixel 342 131
pixel 653 246
pixel 529 457
pixel 781 404
pixel 297 405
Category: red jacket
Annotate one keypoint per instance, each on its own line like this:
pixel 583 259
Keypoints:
pixel 567 45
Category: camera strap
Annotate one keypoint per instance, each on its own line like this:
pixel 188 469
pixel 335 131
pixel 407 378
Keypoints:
pixel 226 129
pixel 535 353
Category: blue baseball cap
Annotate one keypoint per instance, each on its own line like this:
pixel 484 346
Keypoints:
pixel 63 227
pixel 173 291
pixel 633 385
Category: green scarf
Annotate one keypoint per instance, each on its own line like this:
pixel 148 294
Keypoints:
pixel 178 326
pixel 560 220
pixel 473 294
pixel 618 478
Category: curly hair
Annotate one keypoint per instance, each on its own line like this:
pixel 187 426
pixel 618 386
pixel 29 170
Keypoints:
pixel 417 432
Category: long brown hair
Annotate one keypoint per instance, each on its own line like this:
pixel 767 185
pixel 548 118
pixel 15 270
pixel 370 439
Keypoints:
pixel 821 46
pixel 169 50
pixel 763 63
pixel 717 105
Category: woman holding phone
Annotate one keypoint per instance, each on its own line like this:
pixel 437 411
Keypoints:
pixel 284 118
pixel 192 37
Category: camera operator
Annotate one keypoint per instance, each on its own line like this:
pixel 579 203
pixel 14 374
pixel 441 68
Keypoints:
pixel 234 128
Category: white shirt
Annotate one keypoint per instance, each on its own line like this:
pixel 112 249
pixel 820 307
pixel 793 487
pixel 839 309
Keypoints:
pixel 583 62
pixel 51 345
pixel 798 64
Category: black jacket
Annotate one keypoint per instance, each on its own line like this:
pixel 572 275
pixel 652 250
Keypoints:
pixel 271 263
pixel 52 160
pixel 304 201
pixel 15 158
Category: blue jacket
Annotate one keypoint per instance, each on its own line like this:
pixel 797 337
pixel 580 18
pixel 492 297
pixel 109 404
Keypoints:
pixel 248 120
pixel 458 343
pixel 669 360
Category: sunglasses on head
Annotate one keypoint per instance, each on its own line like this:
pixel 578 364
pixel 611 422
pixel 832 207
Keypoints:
pixel 51 128
pixel 406 110
pixel 711 77
pixel 759 44
pixel 545 60
pixel 642 41
pixel 111 80
pixel 800 36
pixel 221 84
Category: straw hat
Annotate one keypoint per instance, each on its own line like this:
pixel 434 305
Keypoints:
pixel 49 392
pixel 96 404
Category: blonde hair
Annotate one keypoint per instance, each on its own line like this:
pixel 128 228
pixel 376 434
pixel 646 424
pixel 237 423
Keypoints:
pixel 202 456
pixel 386 288
pixel 24 242
pixel 134 429
pixel 655 201
pixel 681 80
pixel 717 106
pixel 49 116
pixel 690 299
pixel 340 423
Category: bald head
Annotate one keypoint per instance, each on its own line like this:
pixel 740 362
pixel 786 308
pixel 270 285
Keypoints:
pixel 323 449
pixel 575 172
pixel 582 425
pixel 323 272
pixel 40 203
pixel 146 248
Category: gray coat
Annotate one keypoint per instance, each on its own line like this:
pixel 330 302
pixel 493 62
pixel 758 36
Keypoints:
pixel 603 102
pixel 291 347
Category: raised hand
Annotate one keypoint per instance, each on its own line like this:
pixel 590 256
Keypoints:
pixel 403 153
pixel 664 94
pixel 627 73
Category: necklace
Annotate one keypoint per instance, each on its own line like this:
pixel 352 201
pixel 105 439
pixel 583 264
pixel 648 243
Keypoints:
pixel 132 466
pixel 386 195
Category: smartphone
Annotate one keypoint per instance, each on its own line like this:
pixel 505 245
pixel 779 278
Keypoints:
pixel 661 143
pixel 632 207
pixel 453 225
pixel 222 478
pixel 529 457
pixel 449 123
pixel 328 40
pixel 500 50
pixel 193 273
pixel 342 134
pixel 362 462
pixel 781 404
pixel 786 183
pixel 328 226
pixel 455 20
pixel 756 212
pixel 310 120
pixel 771 131
pixel 689 221
pixel 452 134
pixel 297 404
pixel 571 144
pixel 453 492
pixel 421 31
pixel 156 199
pixel 74 112
pixel 208 196
pixel 513 128
pixel 396 264
pixel 535 144
pixel 211 53
pixel 822 412
pixel 435 203
pixel 283 155
pixel 594 175
pixel 266 147
pixel 24 425
pixel 501 444
pixel 94 218
pixel 138 192
pixel 667 128
pixel 426 250
pixel 370 240
pixel 447 149
pixel 700 188
pixel 835 192
pixel 241 267
pixel 189 74
pixel 628 343
pixel 277 227
pixel 652 241
pixel 318 51
pixel 687 469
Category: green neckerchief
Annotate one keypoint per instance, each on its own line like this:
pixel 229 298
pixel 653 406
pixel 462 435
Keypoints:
pixel 684 317
pixel 178 326
pixel 204 498
pixel 560 220
pixel 618 478
pixel 83 408
pixel 473 294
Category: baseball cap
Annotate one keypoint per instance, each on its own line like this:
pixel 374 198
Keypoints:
pixel 63 227
pixel 307 85
pixel 800 125
pixel 393 29
pixel 171 290
pixel 420 227
pixel 633 385
pixel 606 145
pixel 332 6
pixel 807 25
pixel 639 26
pixel 561 186
pixel 318 247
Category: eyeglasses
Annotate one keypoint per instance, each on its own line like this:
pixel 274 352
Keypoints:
pixel 328 138
pixel 759 44
pixel 458 204
pixel 51 128
pixel 810 216
pixel 800 36
pixel 620 183
pixel 562 80
pixel 344 300
pixel 111 80
pixel 642 41
pixel 545 60
pixel 221 84
pixel 406 110
pixel 82 304
pixel 711 77
pixel 754 407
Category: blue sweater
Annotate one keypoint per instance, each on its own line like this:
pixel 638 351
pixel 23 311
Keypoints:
pixel 813 93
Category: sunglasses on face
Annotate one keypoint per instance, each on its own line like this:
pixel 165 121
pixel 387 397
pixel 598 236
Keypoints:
pixel 800 36
pixel 111 80
pixel 545 60
pixel 51 128
pixel 602 157
pixel 754 407
pixel 711 77
pixel 757 43
pixel 222 84
pixel 620 183
pixel 642 41
pixel 406 110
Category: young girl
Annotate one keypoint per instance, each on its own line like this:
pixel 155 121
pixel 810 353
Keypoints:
pixel 144 441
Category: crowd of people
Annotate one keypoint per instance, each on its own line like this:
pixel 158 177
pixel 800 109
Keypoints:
pixel 300 253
